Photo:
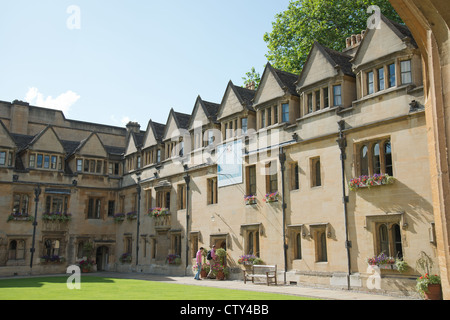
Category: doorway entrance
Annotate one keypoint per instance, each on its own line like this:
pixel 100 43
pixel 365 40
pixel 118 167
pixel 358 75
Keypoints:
pixel 101 258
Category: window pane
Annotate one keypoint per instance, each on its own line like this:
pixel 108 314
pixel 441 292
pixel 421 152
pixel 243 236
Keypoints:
pixel 381 79
pixel 384 240
pixel 364 161
pixel 16 204
pixel 405 67
pixel 326 103
pixel 298 246
pixel 337 95
pixel 310 103
pixel 391 69
pixel 243 125
pixel 40 159
pixel 376 159
pixel 25 202
pixel 285 110
pixel 46 162
pixel 2 158
pixel 317 173
pixel 388 158
pixel 32 160
pixel 79 165
pixel 370 83
pixel 396 235
pixel 54 160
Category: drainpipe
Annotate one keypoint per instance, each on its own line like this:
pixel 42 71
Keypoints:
pixel 282 157
pixel 37 193
pixel 139 189
pixel 187 179
pixel 342 142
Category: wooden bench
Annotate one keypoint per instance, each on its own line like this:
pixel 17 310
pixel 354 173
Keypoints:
pixel 261 271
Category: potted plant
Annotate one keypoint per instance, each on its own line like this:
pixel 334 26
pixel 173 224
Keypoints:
pixel 119 217
pixel 246 259
pixel 401 265
pixel 157 212
pixel 52 259
pixel 18 216
pixel 205 270
pixel 57 216
pixel 132 215
pixel 428 285
pixel 370 181
pixel 271 197
pixel 250 200
pixel 382 261
pixel 125 258
pixel 86 265
pixel 173 259
pixel 217 269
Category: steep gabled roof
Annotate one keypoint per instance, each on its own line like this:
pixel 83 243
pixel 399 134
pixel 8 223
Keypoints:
pixel 401 31
pixel 83 143
pixel 337 61
pixel 286 80
pixel 244 95
pixel 28 142
pixel 209 108
pixel 181 121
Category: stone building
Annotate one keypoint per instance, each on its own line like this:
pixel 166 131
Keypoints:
pixel 340 148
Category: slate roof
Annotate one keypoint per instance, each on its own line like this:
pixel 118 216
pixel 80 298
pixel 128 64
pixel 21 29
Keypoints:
pixel 286 80
pixel 182 119
pixel 339 59
pixel 246 96
pixel 212 109
pixel 159 130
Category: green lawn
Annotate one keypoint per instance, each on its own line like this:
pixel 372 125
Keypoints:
pixel 99 288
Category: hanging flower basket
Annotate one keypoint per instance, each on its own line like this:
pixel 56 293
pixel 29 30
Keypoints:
pixel 57 216
pixel 250 200
pixel 52 259
pixel 125 258
pixel 382 261
pixel 119 217
pixel 17 216
pixel 173 259
pixel 271 197
pixel 158 212
pixel 370 181
pixel 132 215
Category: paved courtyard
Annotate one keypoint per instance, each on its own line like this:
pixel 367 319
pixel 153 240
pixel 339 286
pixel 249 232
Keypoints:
pixel 321 293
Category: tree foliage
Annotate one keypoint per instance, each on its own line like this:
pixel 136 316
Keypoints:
pixel 329 22
pixel 252 77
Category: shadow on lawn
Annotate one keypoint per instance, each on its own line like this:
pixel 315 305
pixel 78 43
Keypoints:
pixel 37 282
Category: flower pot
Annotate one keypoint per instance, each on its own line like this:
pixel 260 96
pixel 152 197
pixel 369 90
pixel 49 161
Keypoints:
pixel 434 292
pixel 220 275
pixel 203 274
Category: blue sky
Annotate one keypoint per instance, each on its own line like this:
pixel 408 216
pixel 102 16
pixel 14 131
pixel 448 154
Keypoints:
pixel 129 60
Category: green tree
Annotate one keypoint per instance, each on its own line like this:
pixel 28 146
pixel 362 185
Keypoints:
pixel 329 22
pixel 252 76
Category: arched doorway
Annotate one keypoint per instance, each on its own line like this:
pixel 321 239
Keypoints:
pixel 101 258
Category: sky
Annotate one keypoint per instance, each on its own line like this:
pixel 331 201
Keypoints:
pixel 112 62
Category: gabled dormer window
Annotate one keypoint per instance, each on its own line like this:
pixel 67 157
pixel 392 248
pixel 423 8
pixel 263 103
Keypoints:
pixel 45 161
